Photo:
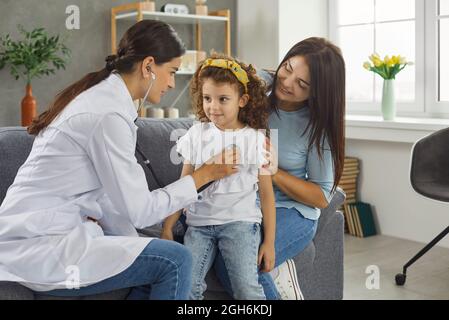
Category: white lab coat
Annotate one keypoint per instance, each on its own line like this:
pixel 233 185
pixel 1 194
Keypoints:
pixel 83 165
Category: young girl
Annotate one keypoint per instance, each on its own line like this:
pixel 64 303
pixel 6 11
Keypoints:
pixel 231 105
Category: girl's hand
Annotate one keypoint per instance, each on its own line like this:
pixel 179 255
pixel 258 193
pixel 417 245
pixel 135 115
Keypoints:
pixel 167 235
pixel 271 167
pixel 267 256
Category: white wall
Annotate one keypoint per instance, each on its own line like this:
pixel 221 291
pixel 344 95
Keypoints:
pixel 257 32
pixel 299 20
pixel 267 29
pixel 385 184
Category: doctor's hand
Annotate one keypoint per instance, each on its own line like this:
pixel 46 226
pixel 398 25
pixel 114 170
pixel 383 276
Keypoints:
pixel 222 165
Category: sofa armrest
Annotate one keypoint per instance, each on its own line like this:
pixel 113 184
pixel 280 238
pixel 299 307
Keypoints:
pixel 329 250
pixel 14 291
pixel 328 213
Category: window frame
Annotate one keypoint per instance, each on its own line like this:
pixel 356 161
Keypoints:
pixel 426 104
pixel 433 106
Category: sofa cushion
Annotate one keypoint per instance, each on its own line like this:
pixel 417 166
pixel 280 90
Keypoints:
pixel 157 138
pixel 15 146
pixel 14 291
pixel 112 295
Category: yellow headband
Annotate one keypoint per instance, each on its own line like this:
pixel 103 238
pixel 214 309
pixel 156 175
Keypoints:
pixel 233 66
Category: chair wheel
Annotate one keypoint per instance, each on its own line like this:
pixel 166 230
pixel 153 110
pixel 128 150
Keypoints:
pixel 400 279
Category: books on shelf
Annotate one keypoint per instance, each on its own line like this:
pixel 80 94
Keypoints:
pixel 359 219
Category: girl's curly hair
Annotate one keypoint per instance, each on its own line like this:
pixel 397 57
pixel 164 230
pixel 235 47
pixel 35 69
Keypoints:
pixel 254 114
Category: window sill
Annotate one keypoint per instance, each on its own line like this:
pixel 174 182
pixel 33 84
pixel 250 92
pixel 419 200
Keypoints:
pixel 407 130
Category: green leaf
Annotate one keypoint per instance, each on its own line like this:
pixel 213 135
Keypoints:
pixel 32 55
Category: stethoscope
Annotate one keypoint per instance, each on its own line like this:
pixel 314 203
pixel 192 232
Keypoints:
pixel 153 173
pixel 139 150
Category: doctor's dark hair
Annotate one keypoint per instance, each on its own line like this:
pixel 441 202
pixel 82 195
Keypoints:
pixel 327 98
pixel 145 38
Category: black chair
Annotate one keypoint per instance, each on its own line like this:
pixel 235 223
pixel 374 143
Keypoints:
pixel 429 176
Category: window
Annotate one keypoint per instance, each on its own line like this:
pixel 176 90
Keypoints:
pixel 437 53
pixel 443 54
pixel 417 29
pixel 382 26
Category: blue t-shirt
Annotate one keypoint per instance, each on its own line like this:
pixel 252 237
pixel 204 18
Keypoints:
pixel 295 157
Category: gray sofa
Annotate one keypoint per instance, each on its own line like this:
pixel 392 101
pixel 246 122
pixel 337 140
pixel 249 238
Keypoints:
pixel 319 266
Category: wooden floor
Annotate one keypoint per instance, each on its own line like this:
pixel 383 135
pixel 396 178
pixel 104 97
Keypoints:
pixel 426 279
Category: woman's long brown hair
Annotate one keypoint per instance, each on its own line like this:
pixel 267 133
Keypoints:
pixel 145 38
pixel 327 97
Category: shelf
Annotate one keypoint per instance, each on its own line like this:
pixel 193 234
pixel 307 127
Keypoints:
pixel 145 10
pixel 172 17
pixel 189 73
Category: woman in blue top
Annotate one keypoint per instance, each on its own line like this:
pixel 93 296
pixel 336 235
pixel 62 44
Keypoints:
pixel 307 94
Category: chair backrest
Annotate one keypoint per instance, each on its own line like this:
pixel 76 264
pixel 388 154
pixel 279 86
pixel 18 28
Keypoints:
pixel 429 170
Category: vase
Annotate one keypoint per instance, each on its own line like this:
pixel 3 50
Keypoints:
pixel 157 113
pixel 388 100
pixel 28 107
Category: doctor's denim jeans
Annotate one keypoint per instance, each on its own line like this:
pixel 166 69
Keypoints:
pixel 238 243
pixel 293 235
pixel 162 271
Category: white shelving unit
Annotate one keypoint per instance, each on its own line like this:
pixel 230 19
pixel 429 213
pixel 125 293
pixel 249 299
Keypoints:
pixel 140 11
pixel 145 10
pixel 171 17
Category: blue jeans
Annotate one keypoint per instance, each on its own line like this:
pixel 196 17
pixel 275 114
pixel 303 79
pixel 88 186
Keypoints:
pixel 238 243
pixel 293 235
pixel 161 272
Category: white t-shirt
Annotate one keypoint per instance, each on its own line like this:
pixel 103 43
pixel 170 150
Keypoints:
pixel 232 198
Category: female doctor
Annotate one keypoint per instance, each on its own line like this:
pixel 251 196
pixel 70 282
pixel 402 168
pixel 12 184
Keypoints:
pixel 68 221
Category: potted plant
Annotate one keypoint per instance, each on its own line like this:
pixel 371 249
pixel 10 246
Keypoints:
pixel 35 55
pixel 387 68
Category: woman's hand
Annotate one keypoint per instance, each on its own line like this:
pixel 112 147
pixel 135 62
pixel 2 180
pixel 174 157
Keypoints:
pixel 271 168
pixel 267 256
pixel 222 165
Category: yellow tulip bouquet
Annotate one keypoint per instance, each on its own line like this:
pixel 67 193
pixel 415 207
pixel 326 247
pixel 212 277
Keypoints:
pixel 387 68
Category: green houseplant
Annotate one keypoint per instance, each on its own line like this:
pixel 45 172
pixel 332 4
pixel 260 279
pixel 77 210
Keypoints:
pixel 35 55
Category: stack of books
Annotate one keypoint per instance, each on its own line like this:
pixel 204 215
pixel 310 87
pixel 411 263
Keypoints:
pixel 359 219
pixel 348 181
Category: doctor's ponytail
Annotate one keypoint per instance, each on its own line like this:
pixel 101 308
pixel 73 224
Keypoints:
pixel 145 38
